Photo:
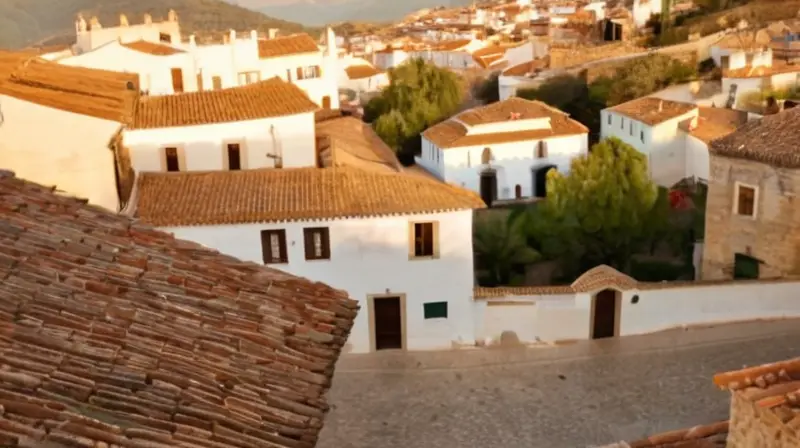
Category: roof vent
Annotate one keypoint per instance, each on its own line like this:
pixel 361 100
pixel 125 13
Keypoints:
pixel 514 116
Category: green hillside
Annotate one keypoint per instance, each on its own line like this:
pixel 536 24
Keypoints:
pixel 25 22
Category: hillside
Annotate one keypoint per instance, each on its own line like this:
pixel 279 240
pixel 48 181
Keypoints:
pixel 24 22
pixel 335 11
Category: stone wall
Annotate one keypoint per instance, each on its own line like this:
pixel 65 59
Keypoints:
pixel 753 426
pixel 773 236
pixel 568 56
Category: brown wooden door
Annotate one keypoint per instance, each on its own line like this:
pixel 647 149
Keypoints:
pixel 388 323
pixel 326 102
pixel 605 314
pixel 177 80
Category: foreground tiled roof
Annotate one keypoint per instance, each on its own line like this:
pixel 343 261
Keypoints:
pixel 153 48
pixel 652 111
pixel 452 134
pixel 115 334
pixel 295 194
pixel 96 93
pixel 704 436
pixel 271 98
pixel 286 46
pixel 354 143
pixel 527 68
pixel 772 140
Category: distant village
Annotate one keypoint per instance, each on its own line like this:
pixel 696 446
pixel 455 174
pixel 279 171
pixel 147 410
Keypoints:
pixel 200 163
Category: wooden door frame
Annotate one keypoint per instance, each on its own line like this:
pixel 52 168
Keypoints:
pixel 371 298
pixel 617 311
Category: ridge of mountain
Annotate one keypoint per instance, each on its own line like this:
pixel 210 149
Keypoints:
pixel 28 22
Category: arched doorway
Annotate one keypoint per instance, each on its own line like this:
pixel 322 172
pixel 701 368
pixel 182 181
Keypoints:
pixel 488 186
pixel 539 175
pixel 605 314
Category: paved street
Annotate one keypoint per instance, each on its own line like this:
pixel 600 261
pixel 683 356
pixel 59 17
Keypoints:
pixel 579 395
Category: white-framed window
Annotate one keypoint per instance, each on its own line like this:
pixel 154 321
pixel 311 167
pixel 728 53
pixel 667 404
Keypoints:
pixel 745 200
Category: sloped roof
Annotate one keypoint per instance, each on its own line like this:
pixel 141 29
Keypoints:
pixel 286 46
pixel 152 48
pixel 772 139
pixel 116 334
pixel 601 277
pixel 291 194
pixel 355 144
pixel 97 93
pixel 271 98
pixel 652 111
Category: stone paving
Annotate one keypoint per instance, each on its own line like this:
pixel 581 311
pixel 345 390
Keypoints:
pixel 586 394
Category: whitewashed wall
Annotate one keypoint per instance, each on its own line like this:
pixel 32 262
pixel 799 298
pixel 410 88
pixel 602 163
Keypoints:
pixel 205 146
pixel 697 158
pixel 370 256
pixel 563 317
pixel 513 162
pixel 91 39
pixel 55 147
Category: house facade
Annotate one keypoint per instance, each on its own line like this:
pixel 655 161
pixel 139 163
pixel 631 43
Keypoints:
pixel 269 124
pixel 752 228
pixel 338 226
pixel 503 150
pixel 56 123
pixel 92 35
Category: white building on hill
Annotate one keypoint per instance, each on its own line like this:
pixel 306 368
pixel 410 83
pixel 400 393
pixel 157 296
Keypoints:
pixel 503 150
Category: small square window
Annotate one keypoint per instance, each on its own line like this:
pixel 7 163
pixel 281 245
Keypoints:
pixel 424 239
pixel 273 246
pixel 317 243
pixel 216 82
pixel 171 159
pixel 745 200
pixel 435 310
pixel 609 118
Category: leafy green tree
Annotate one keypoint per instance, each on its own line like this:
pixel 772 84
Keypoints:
pixel 605 202
pixel 642 76
pixel 501 251
pixel 488 90
pixel 418 96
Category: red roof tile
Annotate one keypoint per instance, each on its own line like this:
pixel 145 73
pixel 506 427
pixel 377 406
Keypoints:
pixel 116 334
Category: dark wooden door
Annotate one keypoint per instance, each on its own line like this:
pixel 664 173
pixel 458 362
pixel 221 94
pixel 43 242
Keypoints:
pixel 177 80
pixel 540 181
pixel 488 187
pixel 326 102
pixel 605 314
pixel 388 323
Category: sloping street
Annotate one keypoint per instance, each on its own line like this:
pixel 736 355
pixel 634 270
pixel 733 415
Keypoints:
pixel 579 395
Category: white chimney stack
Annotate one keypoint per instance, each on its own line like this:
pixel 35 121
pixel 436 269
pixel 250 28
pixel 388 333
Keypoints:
pixel 233 36
pixel 254 35
pixel 272 33
pixel 192 41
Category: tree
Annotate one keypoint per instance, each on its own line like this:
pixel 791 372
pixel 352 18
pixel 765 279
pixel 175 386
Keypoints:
pixel 418 96
pixel 487 90
pixel 604 201
pixel 501 252
pixel 642 76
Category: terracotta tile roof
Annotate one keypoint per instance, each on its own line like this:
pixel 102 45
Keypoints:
pixel 153 48
pixel 652 111
pixel 778 67
pixel 481 292
pixel 354 143
pixel 296 194
pixel 745 40
pixel 452 134
pixel 704 436
pixel 717 122
pixel 527 68
pixel 286 46
pixel 116 334
pixel 452 45
pixel 361 71
pixel 600 277
pixel 772 140
pixel 271 98
pixel 96 93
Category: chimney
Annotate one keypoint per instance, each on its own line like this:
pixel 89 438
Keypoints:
pixel 253 35
pixel 123 20
pixel 224 38
pixel 232 36
pixel 148 19
pixel 192 41
pixel 80 24
pixel 660 105
pixel 172 16
pixel 95 23
pixel 272 33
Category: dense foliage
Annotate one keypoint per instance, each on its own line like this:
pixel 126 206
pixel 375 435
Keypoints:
pixel 24 22
pixel 605 211
pixel 418 96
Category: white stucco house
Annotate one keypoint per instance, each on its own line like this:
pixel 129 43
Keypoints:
pixel 674 135
pixel 503 150
pixel 269 124
pixel 402 255
pixel 56 123
pixel 93 34
pixel 360 76
pixel 166 65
